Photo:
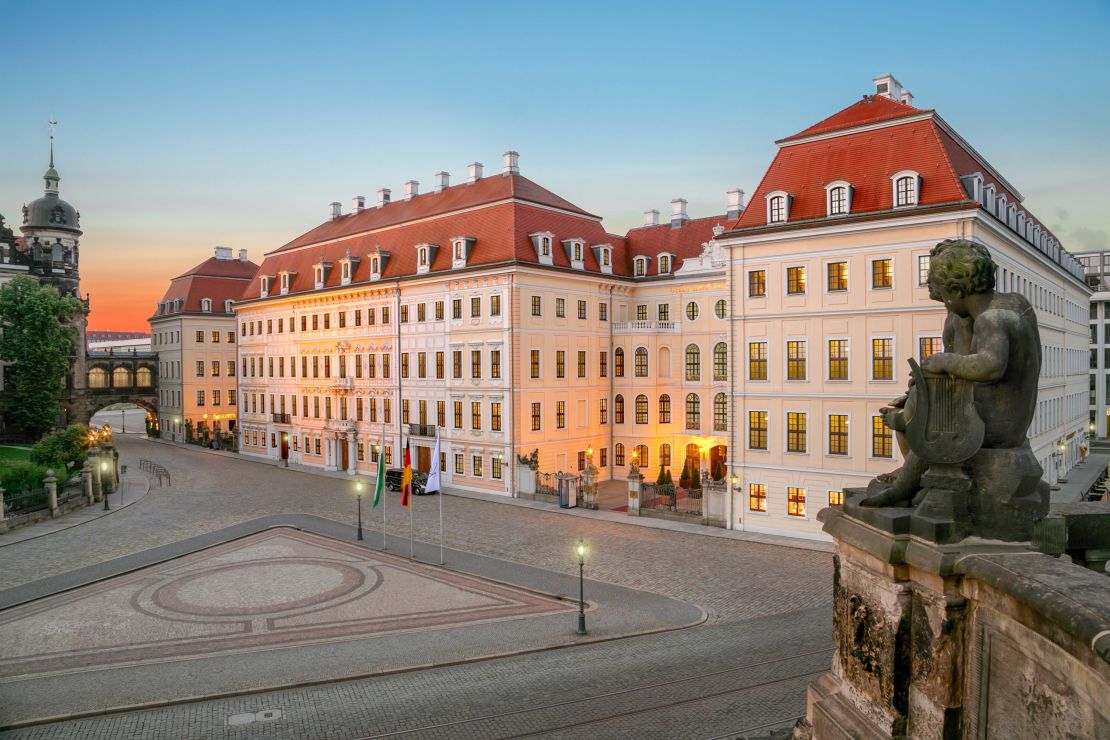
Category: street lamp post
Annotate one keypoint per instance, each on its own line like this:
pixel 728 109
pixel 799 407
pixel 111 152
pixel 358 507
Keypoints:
pixel 103 469
pixel 358 493
pixel 285 448
pixel 580 549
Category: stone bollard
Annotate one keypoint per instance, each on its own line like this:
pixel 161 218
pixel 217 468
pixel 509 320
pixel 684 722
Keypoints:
pixel 86 478
pixel 51 484
pixel 634 482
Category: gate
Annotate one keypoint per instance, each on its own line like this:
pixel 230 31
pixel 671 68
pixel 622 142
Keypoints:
pixel 670 499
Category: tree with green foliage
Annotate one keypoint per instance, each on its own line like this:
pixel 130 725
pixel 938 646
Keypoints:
pixel 662 477
pixel 695 477
pixel 65 449
pixel 684 479
pixel 37 341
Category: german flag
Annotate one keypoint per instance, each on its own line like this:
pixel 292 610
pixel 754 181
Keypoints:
pixel 406 479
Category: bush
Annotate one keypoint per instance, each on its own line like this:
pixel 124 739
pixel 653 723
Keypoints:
pixel 669 481
pixel 684 479
pixel 63 450
pixel 18 479
pixel 662 479
pixel 695 479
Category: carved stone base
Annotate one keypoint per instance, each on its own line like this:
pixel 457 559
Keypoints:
pixel 942 516
pixel 1008 495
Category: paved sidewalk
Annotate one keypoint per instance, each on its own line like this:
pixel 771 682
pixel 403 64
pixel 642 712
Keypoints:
pixel 609 516
pixel 133 488
pixel 1080 479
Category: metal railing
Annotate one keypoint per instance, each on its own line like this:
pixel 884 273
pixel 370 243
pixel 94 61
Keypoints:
pixel 422 430
pixel 281 418
pixel 155 470
pixel 670 498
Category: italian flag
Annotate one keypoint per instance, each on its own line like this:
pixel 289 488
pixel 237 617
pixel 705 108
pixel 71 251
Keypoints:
pixel 406 479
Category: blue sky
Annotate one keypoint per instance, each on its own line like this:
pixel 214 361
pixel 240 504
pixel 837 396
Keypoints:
pixel 188 125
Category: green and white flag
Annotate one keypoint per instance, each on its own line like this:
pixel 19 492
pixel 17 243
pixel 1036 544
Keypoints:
pixel 381 474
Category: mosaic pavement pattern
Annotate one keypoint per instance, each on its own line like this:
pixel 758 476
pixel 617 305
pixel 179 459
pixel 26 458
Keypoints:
pixel 279 588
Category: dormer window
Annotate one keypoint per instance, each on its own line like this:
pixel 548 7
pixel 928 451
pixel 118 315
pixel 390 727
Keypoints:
pixel 778 207
pixel 606 258
pixel 376 263
pixel 973 184
pixel 346 271
pixel 285 279
pixel 318 276
pixel 347 267
pixel 422 256
pixel 664 264
pixel 227 305
pixel 603 253
pixel 264 286
pixel 425 256
pixel 542 242
pixel 838 198
pixel 907 187
pixel 576 253
pixel 460 250
pixel 639 266
pixel 206 305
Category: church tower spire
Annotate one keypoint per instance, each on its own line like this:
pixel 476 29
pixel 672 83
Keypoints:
pixel 52 178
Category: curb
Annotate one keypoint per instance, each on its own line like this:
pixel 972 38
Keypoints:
pixel 130 481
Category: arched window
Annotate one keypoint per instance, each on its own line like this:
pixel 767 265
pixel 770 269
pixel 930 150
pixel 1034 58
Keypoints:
pixel 720 361
pixel 618 362
pixel 693 411
pixel 906 185
pixel 720 413
pixel 206 305
pixel 423 255
pixel 144 378
pixel 664 369
pixel 720 309
pixel 665 455
pixel 640 456
pixel 664 409
pixel 693 362
pixel 641 409
pixel 618 409
pixel 839 199
pixel 641 362
pixel 776 209
pixel 618 454
pixel 121 378
pixel 664 263
pixel 545 246
pixel 640 266
pixel 98 378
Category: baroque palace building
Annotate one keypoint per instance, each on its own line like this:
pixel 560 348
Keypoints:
pixel 193 331
pixel 499 314
pixel 827 272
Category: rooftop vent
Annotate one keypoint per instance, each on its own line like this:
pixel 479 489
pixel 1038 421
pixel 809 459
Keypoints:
pixel 383 197
pixel 412 188
pixel 651 218
pixel 442 181
pixel 358 204
pixel 223 253
pixel 474 172
pixel 243 255
pixel 512 163
pixel 888 87
pixel 336 209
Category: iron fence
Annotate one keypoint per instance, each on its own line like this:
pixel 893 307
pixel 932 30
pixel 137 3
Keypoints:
pixel 155 470
pixel 671 498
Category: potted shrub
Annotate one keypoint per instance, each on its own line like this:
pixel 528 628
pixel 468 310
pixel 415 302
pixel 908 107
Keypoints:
pixel 684 479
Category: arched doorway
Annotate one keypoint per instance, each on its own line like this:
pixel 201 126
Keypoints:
pixel 693 458
pixel 717 456
pixel 123 418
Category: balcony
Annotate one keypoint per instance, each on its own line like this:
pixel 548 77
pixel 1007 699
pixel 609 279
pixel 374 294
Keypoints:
pixel 646 327
pixel 422 430
pixel 280 418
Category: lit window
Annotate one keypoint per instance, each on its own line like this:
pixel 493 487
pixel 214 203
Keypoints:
pixel 838 434
pixel 795 280
pixel 720 413
pixel 882 274
pixel 838 276
pixel 929 346
pixel 641 362
pixel 836 498
pixel 882 439
pixel 757 361
pixel 692 311
pixel 618 363
pixel 618 454
pixel 882 359
pixel 720 309
pixel 641 409
pixel 640 266
pixel 720 361
pixel 795 431
pixel 618 409
pixel 838 359
pixel 664 409
pixel 693 362
pixel 796 360
pixel 757 497
pixel 693 411
pixel 757 283
pixel 664 263
pixel 796 501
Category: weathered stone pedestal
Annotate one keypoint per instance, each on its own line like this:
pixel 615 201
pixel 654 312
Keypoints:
pixel 635 483
pixel 975 639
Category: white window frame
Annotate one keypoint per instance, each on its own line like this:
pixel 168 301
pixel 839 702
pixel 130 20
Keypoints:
pixel 847 197
pixel 747 428
pixel 837 337
pixel 825 276
pixel 283 282
pixel 785 206
pixel 916 179
pixel 264 285
pixel 748 369
pixel 871 272
pixel 893 359
pixel 786 431
pixel 786 360
pixel 206 305
pixel 917 266
pixel 318 276
pixel 670 263
pixel 639 267
pixel 786 280
pixel 376 267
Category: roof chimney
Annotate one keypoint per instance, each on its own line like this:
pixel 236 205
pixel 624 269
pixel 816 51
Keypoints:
pixel 383 197
pixel 907 97
pixel 474 172
pixel 651 218
pixel 223 253
pixel 336 209
pixel 359 204
pixel 442 181
pixel 412 187
pixel 243 255
pixel 512 163
pixel 678 212
pixel 735 203
pixel 888 87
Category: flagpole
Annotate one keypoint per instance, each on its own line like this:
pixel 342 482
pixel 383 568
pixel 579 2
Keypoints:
pixel 439 493
pixel 381 472
pixel 411 487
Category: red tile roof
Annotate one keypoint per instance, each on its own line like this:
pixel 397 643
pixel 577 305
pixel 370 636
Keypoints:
pixel 872 109
pixel 499 216
pixel 866 160
pixel 458 197
pixel 217 279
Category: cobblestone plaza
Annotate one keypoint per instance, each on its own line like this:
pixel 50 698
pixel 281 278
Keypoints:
pixel 759 613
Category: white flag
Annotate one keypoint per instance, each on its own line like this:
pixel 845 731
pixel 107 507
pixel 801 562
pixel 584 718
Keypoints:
pixel 433 472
